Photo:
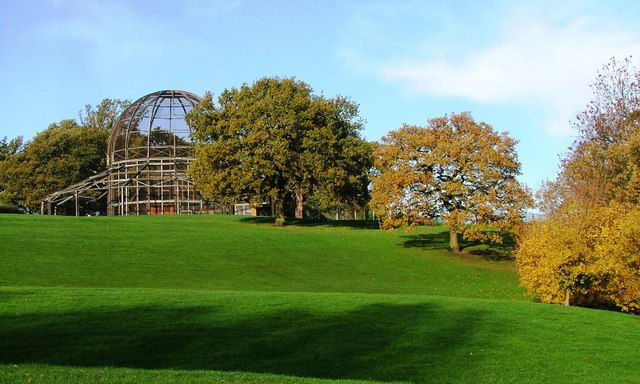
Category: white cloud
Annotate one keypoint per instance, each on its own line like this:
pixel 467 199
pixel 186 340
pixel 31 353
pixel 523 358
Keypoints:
pixel 536 61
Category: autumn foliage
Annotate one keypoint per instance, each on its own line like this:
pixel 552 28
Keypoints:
pixel 584 255
pixel 587 252
pixel 455 170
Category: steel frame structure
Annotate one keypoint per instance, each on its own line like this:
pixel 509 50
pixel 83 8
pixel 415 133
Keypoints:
pixel 148 152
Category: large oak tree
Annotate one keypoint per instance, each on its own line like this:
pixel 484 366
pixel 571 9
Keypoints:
pixel 455 170
pixel 276 141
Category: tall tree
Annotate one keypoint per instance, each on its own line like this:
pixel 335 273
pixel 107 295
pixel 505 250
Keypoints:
pixel 10 147
pixel 276 141
pixel 455 170
pixel 603 163
pixel 62 154
pixel 586 251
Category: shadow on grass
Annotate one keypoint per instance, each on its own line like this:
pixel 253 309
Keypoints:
pixel 440 240
pixel 388 342
pixel 358 224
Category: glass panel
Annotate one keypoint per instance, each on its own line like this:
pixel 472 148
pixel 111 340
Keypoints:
pixel 119 142
pixel 163 123
pixel 161 137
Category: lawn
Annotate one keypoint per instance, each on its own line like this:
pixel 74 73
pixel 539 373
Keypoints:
pixel 232 253
pixel 219 299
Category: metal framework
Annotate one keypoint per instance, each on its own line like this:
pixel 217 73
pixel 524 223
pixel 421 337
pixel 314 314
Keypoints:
pixel 148 152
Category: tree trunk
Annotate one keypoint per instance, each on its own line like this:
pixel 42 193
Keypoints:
pixel 299 207
pixel 273 208
pixel 567 298
pixel 278 208
pixel 453 241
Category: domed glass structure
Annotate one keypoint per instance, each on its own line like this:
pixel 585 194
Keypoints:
pixel 153 127
pixel 148 152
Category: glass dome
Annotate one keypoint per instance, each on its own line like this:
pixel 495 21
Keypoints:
pixel 153 127
pixel 149 151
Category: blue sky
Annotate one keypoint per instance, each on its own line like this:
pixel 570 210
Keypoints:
pixel 522 67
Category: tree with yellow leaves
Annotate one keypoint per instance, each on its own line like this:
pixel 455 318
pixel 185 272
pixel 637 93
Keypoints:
pixel 586 252
pixel 455 170
pixel 583 255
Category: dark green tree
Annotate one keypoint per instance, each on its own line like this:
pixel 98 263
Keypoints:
pixel 276 141
pixel 59 156
pixel 8 148
pixel 63 154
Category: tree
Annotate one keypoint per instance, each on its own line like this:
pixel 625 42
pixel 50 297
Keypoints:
pixel 455 170
pixel 276 141
pixel 10 147
pixel 103 115
pixel 586 252
pixel 583 255
pixel 602 163
pixel 62 154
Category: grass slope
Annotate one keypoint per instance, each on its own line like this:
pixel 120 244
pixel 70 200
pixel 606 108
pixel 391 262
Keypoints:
pixel 231 253
pixel 280 337
pixel 218 299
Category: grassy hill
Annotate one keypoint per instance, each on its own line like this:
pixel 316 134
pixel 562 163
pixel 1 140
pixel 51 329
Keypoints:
pixel 231 253
pixel 219 299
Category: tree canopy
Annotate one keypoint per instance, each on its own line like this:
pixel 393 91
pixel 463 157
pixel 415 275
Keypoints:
pixel 583 255
pixel 586 252
pixel 103 115
pixel 603 164
pixel 455 170
pixel 63 154
pixel 276 141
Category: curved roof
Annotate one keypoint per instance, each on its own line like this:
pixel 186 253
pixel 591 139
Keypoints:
pixel 153 127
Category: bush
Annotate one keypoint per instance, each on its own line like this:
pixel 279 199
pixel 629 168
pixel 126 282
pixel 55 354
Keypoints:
pixel 587 256
pixel 9 209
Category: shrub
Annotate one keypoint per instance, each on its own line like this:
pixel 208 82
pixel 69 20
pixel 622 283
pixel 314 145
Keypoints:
pixel 588 256
pixel 9 209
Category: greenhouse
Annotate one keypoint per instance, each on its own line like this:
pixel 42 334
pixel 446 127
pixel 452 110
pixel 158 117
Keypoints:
pixel 148 152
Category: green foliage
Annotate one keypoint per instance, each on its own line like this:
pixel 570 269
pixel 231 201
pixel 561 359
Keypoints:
pixel 9 208
pixel 63 154
pixel 276 141
pixel 103 115
pixel 9 148
pixel 279 221
pixel 59 156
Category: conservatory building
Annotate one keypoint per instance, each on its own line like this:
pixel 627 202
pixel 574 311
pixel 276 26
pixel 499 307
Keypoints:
pixel 148 152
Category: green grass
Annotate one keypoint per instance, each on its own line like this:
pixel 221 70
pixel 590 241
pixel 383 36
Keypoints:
pixel 119 300
pixel 230 253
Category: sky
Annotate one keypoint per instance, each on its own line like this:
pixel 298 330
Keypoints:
pixel 523 67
